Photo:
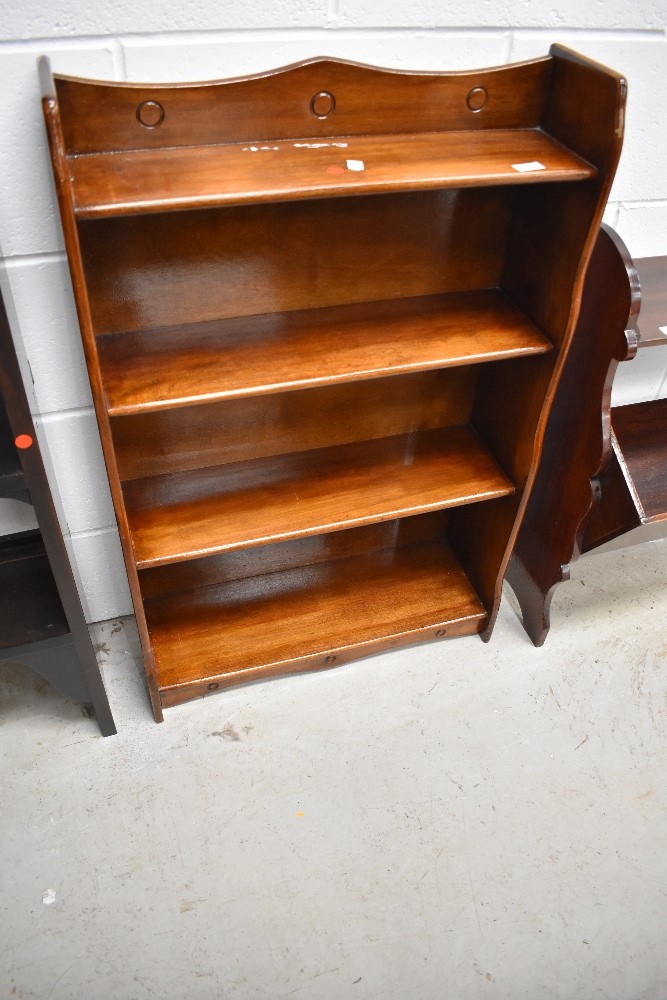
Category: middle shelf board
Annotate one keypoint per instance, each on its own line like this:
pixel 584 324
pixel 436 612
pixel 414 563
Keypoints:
pixel 257 502
pixel 173 178
pixel 148 370
pixel 313 615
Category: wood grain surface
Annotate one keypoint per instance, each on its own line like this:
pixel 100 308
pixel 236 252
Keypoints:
pixel 310 616
pixel 155 369
pixel 386 235
pixel 190 514
pixel 100 116
pixel 565 505
pixel 309 550
pixel 164 180
pixel 235 430
pixel 152 271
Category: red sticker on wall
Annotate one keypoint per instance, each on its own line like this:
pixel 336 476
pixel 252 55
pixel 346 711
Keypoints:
pixel 23 441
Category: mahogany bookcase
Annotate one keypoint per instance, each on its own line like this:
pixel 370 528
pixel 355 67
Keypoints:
pixel 325 310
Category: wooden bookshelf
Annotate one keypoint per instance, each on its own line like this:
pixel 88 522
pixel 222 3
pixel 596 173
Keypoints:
pixel 324 311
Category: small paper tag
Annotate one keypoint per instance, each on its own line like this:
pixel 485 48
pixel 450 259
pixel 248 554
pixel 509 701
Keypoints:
pixel 663 329
pixel 525 168
pixel 355 164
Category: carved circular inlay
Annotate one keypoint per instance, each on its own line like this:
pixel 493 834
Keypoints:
pixel 329 659
pixel 440 633
pixel 476 99
pixel 322 104
pixel 150 114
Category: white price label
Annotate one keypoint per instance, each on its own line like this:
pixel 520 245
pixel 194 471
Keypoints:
pixel 525 168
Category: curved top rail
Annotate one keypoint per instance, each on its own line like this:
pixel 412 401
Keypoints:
pixel 310 99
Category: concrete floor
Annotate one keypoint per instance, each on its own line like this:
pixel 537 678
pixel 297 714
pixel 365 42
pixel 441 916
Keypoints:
pixel 452 821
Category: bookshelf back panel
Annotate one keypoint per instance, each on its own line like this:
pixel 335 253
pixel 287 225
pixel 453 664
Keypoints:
pixel 236 430
pixel 151 271
pixel 243 564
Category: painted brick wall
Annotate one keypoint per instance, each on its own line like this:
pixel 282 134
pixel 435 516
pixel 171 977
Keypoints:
pixel 202 39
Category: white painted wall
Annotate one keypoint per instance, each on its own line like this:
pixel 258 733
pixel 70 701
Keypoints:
pixel 164 40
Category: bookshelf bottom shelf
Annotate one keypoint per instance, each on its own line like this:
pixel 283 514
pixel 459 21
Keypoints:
pixel 345 599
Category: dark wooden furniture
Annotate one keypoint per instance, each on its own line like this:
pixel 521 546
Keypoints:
pixel 603 470
pixel 639 430
pixel 42 623
pixel 325 311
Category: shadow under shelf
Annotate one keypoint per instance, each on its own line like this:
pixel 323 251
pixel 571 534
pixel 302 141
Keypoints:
pixel 311 603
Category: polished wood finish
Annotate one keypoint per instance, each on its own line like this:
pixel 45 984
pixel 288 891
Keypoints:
pixel 102 117
pixel 158 369
pixel 57 148
pixel 190 514
pixel 294 348
pixel 42 624
pixel 237 430
pixel 163 180
pixel 163 270
pixel 544 275
pixel 578 446
pixel 263 560
pixel 603 471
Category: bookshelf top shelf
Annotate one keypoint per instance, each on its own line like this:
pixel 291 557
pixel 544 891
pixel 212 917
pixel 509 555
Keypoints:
pixel 168 179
